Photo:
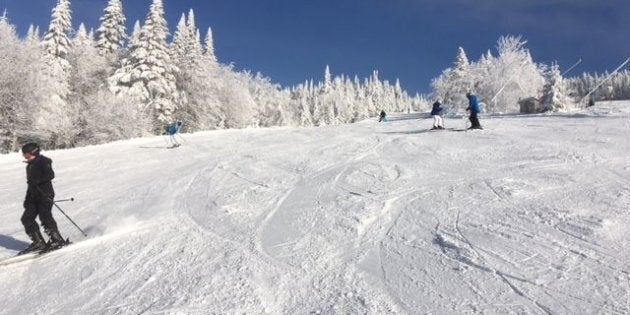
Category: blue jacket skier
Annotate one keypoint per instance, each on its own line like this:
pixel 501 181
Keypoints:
pixel 172 130
pixel 475 109
pixel 39 201
pixel 438 122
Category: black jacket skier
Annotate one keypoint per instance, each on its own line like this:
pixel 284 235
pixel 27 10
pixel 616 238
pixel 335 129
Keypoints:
pixel 382 117
pixel 39 200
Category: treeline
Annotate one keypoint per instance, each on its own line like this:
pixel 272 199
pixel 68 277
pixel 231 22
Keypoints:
pixel 69 87
pixel 509 76
pixel 617 87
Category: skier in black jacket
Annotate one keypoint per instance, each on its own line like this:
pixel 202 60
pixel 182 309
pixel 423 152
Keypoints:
pixel 382 117
pixel 39 200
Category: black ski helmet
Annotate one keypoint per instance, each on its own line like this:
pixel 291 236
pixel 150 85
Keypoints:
pixel 31 148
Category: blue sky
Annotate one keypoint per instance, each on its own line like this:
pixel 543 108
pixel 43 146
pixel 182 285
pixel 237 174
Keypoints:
pixel 414 40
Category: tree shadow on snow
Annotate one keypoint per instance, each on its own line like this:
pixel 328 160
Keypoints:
pixel 10 243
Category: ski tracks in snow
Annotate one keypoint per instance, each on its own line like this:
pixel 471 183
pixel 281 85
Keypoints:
pixel 359 219
pixel 298 229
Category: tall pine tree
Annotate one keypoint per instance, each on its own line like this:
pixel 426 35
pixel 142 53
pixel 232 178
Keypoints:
pixel 552 99
pixel 209 49
pixel 135 35
pixel 112 32
pixel 195 47
pixel 58 117
pixel 149 73
pixel 460 82
pixel 181 41
pixel 56 41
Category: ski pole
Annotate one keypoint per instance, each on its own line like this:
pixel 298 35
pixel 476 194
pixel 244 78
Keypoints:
pixel 61 210
pixel 65 200
pixel 180 136
pixel 69 219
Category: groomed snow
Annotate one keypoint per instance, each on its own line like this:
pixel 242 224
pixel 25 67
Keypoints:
pixel 529 216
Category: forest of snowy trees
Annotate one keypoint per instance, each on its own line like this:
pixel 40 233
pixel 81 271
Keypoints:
pixel 504 79
pixel 617 87
pixel 68 87
pixel 499 81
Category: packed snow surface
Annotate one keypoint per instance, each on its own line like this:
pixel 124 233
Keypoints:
pixel 529 216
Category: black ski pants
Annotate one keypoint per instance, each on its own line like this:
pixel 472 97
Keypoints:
pixel 38 206
pixel 474 120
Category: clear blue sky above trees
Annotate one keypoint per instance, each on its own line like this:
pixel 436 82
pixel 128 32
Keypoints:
pixel 414 40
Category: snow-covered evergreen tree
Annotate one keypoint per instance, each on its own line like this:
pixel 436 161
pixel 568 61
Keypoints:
pixel 89 71
pixel 181 42
pixel 306 118
pixel 32 35
pixel 194 80
pixel 461 63
pixel 552 98
pixel 195 46
pixel 461 81
pixel 148 74
pixel 451 87
pixel 209 47
pixel 327 79
pixel 112 32
pixel 57 115
pixel 82 38
pixel 135 35
pixel 56 41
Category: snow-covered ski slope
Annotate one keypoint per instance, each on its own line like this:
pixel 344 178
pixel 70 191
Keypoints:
pixel 529 216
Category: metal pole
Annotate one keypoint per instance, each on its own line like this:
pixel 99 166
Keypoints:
pixel 59 208
pixel 571 68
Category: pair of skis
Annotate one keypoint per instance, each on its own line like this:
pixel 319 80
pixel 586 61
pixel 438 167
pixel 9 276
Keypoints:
pixel 32 255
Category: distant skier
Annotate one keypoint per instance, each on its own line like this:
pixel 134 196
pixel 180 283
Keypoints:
pixel 172 130
pixel 382 117
pixel 474 108
pixel 39 201
pixel 591 101
pixel 438 122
